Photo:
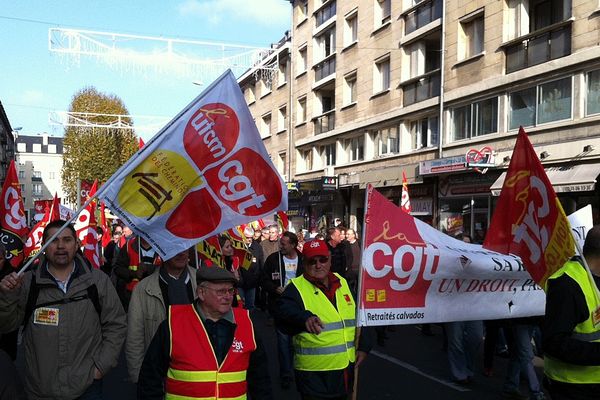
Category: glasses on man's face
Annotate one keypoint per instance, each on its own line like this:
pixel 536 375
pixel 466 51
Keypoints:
pixel 222 292
pixel 322 260
pixel 118 233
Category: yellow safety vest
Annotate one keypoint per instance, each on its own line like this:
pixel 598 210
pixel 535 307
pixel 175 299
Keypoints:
pixel 333 348
pixel 585 331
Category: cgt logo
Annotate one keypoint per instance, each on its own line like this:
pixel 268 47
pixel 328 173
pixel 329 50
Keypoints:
pixel 410 270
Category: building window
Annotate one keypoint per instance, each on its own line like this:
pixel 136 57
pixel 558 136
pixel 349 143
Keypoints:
pixel 282 74
pixel 21 147
pixel 351 29
pixel 301 111
pixel 302 10
pixel 355 148
pixel 350 88
pixel 37 147
pixel 37 174
pixel 383 12
pixel 302 60
pixel 328 154
pixel 527 16
pixel 540 104
pixel 21 174
pixel 325 13
pixel 37 189
pixel 282 119
pixel 475 119
pixel 282 163
pixel 52 149
pixel 52 175
pixel 325 44
pixel 265 130
pixel 22 186
pixel 250 94
pixel 593 93
pixel 424 132
pixel 427 12
pixel 307 157
pixel 470 41
pixel 267 86
pixel 387 141
pixel 381 79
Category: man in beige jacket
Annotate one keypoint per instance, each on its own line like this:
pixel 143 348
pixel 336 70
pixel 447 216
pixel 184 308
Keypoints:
pixel 74 324
pixel 173 283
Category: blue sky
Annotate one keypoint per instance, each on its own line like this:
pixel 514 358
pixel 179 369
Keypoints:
pixel 35 81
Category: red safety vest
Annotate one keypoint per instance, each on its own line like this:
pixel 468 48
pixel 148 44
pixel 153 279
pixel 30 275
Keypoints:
pixel 193 372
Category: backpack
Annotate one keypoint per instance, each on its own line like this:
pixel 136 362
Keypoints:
pixel 34 291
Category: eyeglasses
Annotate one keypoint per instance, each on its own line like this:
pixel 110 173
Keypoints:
pixel 322 260
pixel 118 233
pixel 222 292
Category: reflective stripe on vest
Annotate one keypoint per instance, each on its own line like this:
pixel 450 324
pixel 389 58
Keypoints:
pixel 194 372
pixel 585 331
pixel 333 348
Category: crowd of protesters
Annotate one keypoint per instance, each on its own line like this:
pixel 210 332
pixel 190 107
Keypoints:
pixel 161 309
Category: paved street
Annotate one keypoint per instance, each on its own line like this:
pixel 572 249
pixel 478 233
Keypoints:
pixel 409 366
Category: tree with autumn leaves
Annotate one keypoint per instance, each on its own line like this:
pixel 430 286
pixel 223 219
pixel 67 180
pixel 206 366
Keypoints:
pixel 95 152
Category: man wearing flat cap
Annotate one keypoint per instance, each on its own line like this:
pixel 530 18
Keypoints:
pixel 318 309
pixel 206 349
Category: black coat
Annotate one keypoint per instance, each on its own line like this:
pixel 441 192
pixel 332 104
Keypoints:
pixel 273 274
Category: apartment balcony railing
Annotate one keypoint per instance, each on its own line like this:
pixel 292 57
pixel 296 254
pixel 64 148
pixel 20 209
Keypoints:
pixel 324 123
pixel 325 68
pixel 538 47
pixel 421 15
pixel 421 88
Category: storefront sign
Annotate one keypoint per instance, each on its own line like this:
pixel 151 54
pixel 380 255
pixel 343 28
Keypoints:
pixel 292 186
pixel 442 165
pixel 421 206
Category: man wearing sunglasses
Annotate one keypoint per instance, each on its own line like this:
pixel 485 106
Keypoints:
pixel 207 349
pixel 319 310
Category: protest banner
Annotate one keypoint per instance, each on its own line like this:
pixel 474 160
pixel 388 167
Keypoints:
pixel 413 274
pixel 12 218
pixel 581 222
pixel 203 173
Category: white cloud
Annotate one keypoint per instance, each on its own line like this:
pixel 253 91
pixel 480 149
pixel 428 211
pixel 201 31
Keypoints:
pixel 261 12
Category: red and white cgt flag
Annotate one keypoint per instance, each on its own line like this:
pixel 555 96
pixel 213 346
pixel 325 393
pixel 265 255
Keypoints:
pixel 85 226
pixel 34 239
pixel 404 199
pixel 12 217
pixel 203 173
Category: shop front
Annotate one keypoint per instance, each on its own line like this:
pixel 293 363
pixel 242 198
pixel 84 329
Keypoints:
pixel 316 204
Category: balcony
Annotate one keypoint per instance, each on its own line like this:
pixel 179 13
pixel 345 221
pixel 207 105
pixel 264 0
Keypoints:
pixel 538 47
pixel 324 123
pixel 421 88
pixel 421 15
pixel 324 68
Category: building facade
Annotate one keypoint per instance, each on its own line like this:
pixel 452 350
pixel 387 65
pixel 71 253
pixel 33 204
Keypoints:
pixel 39 166
pixel 435 89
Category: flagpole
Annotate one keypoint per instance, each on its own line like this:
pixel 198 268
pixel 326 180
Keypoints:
pixel 358 290
pixel 50 239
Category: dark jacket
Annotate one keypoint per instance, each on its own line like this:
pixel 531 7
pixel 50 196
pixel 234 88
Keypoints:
pixel 273 273
pixel 290 317
pixel 157 359
pixel 251 276
pixel 340 261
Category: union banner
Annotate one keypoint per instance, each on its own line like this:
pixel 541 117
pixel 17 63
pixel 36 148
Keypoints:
pixel 203 173
pixel 412 273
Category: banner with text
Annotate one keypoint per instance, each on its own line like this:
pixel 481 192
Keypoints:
pixel 413 274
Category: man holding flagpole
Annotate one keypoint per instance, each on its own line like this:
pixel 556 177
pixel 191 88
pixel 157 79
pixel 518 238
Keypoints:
pixel 74 325
pixel 571 330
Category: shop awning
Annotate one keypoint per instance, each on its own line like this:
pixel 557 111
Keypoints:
pixel 571 178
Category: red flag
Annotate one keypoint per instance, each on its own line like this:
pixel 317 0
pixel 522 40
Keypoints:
pixel 106 233
pixel 55 209
pixel 241 255
pixel 34 239
pixel 12 217
pixel 282 221
pixel 85 226
pixel 141 143
pixel 529 220
pixel 258 224
pixel 404 199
